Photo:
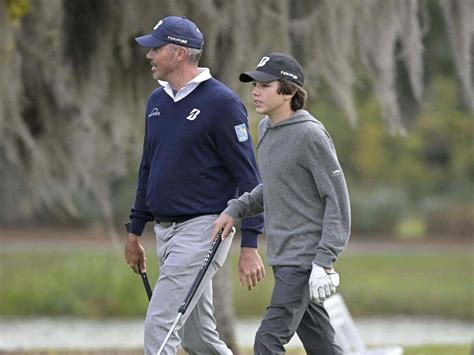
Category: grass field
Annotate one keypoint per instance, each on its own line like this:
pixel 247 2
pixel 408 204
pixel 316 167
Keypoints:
pixel 429 284
pixel 99 284
pixel 419 350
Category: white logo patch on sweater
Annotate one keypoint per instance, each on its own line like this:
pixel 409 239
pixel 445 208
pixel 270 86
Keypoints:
pixel 193 114
pixel 154 112
pixel 241 131
pixel 336 172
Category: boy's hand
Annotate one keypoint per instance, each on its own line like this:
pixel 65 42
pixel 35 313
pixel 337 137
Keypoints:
pixel 225 223
pixel 322 283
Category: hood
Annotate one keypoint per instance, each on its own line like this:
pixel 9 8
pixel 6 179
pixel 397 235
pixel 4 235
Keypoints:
pixel 299 116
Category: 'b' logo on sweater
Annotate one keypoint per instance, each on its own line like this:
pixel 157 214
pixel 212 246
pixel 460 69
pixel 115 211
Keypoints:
pixel 193 114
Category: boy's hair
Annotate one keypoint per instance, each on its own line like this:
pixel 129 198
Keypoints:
pixel 286 87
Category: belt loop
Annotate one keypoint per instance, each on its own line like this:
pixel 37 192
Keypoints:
pixel 166 224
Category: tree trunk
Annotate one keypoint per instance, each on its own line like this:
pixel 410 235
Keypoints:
pixel 224 307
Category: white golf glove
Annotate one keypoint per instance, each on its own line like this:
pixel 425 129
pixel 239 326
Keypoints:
pixel 322 284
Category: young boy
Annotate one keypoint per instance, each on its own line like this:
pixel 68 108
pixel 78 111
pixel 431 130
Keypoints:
pixel 306 209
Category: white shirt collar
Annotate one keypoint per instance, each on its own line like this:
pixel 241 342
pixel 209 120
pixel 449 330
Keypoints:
pixel 204 74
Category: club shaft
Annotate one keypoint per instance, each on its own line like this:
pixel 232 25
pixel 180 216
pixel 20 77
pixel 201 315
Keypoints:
pixel 202 271
pixel 169 333
pixel 194 287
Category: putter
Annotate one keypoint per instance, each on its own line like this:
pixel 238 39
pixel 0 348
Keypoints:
pixel 146 283
pixel 144 276
pixel 197 281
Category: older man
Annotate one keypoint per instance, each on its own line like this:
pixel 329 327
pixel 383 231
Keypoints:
pixel 197 155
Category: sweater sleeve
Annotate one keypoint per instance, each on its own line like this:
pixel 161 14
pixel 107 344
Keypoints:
pixel 235 146
pixel 140 213
pixel 249 204
pixel 331 185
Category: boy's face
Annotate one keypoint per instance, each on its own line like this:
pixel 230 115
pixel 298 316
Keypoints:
pixel 266 99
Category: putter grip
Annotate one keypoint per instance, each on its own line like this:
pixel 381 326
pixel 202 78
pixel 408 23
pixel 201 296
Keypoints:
pixel 202 271
pixel 146 284
pixel 144 276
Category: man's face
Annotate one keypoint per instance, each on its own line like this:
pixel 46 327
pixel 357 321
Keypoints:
pixel 266 99
pixel 163 61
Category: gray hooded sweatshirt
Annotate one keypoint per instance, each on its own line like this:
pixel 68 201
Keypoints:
pixel 303 193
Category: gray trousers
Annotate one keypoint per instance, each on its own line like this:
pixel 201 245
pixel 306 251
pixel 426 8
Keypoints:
pixel 181 249
pixel 292 311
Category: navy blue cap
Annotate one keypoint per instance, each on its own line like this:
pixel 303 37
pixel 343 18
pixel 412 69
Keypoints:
pixel 173 29
pixel 275 66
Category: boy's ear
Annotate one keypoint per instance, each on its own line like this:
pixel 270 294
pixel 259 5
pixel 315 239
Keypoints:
pixel 287 97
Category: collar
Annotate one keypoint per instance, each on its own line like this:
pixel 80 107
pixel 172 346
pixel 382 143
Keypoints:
pixel 204 74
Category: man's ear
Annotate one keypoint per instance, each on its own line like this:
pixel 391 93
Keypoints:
pixel 181 54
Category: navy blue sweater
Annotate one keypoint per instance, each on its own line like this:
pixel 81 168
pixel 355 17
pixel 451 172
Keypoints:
pixel 197 155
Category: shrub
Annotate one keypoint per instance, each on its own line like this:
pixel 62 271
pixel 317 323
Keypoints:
pixel 377 210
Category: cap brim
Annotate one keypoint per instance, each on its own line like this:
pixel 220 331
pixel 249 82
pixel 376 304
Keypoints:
pixel 149 41
pixel 257 76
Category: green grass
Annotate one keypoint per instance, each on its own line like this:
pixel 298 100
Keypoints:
pixel 418 350
pixel 435 285
pixel 439 350
pixel 100 284
pixel 89 284
pixel 438 285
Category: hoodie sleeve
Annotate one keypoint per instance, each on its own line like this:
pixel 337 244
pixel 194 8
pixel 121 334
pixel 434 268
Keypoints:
pixel 247 205
pixel 331 185
pixel 236 149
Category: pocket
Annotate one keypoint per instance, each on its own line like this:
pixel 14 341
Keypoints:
pixel 221 253
pixel 160 235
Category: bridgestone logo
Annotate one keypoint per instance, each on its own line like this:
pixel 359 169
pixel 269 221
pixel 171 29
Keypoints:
pixel 180 40
pixel 289 74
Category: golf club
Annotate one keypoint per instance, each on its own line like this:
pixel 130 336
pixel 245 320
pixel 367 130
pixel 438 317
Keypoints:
pixel 197 281
pixel 144 276
pixel 146 283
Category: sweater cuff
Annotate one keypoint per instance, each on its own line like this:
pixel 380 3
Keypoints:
pixel 137 226
pixel 248 239
pixel 324 259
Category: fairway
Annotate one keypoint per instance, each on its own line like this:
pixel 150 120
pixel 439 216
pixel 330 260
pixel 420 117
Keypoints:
pixel 419 350
pixel 95 283
pixel 98 284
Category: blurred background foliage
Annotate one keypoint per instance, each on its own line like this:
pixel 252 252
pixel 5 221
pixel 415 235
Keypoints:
pixel 413 185
pixel 391 80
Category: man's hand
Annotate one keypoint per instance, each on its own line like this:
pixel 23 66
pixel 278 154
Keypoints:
pixel 251 269
pixel 322 283
pixel 135 254
pixel 225 222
